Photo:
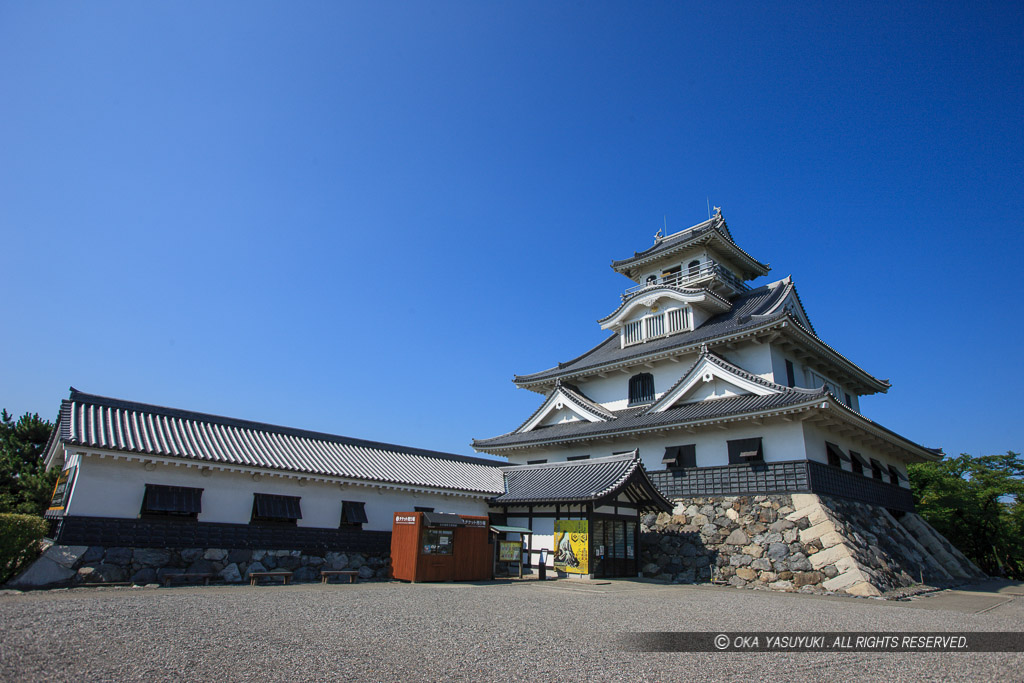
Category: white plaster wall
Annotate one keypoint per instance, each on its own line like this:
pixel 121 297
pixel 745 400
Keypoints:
pixel 781 441
pixel 816 436
pixel 613 391
pixel 754 358
pixel 560 416
pixel 681 259
pixel 778 366
pixel 106 487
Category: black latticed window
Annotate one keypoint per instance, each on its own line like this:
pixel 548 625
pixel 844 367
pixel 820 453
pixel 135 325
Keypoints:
pixel 641 388
pixel 353 513
pixel 174 501
pixel 272 509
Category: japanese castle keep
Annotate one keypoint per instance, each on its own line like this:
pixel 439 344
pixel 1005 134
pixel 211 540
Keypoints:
pixel 744 416
pixel 711 436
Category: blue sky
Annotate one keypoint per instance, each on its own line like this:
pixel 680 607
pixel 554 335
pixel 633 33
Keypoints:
pixel 364 218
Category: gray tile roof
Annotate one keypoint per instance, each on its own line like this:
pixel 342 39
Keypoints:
pixel 638 419
pixel 716 300
pixel 738 318
pixel 732 369
pixel 713 229
pixel 112 424
pixel 750 311
pixel 578 481
pixel 573 394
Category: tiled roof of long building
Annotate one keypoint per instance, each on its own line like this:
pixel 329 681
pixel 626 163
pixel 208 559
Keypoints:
pixel 572 482
pixel 112 424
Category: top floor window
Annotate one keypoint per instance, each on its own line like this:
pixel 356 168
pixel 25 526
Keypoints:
pixel 641 388
pixel 693 267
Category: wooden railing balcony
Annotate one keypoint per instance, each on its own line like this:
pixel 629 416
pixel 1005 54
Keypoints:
pixel 707 270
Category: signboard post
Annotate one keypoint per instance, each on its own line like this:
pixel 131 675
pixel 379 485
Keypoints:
pixel 511 551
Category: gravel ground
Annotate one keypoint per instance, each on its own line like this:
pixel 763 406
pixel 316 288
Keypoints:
pixel 517 631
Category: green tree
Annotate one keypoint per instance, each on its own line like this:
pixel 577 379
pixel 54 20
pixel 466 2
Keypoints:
pixel 978 504
pixel 25 486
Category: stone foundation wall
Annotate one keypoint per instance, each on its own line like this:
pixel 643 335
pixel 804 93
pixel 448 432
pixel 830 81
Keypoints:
pixel 797 542
pixel 62 565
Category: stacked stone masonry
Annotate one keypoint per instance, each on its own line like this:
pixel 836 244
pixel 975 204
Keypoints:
pixel 62 565
pixel 798 542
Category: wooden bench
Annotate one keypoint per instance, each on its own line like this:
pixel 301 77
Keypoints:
pixel 254 577
pixel 326 574
pixel 168 578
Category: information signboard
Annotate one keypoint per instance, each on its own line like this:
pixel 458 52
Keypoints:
pixel 510 551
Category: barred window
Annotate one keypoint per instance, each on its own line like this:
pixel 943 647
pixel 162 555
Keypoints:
pixel 641 388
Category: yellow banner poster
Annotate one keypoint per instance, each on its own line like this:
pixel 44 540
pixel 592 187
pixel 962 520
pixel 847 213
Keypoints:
pixel 571 546
pixel 510 551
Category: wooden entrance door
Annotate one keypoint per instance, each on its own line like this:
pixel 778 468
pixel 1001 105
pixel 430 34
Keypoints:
pixel 614 544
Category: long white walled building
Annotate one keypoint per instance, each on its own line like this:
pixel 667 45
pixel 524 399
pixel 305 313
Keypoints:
pixel 135 470
pixel 705 387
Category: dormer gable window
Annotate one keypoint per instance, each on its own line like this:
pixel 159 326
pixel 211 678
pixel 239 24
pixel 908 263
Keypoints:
pixel 641 388
pixel 657 324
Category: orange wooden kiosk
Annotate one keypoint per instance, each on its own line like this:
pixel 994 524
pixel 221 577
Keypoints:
pixel 439 546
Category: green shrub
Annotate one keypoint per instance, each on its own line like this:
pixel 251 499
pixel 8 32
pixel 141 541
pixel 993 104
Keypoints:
pixel 19 542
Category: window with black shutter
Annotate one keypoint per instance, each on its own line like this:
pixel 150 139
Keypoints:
pixel 171 501
pixel 790 374
pixel 537 462
pixel 745 451
pixel 876 469
pixel 895 475
pixel 578 457
pixel 641 388
pixel 858 464
pixel 273 509
pixel 679 457
pixel 421 509
pixel 836 455
pixel 353 513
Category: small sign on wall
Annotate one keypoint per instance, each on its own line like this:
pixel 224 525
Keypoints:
pixel 62 490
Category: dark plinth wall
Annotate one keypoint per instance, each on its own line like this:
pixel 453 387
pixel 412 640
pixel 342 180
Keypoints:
pixel 796 476
pixel 151 533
